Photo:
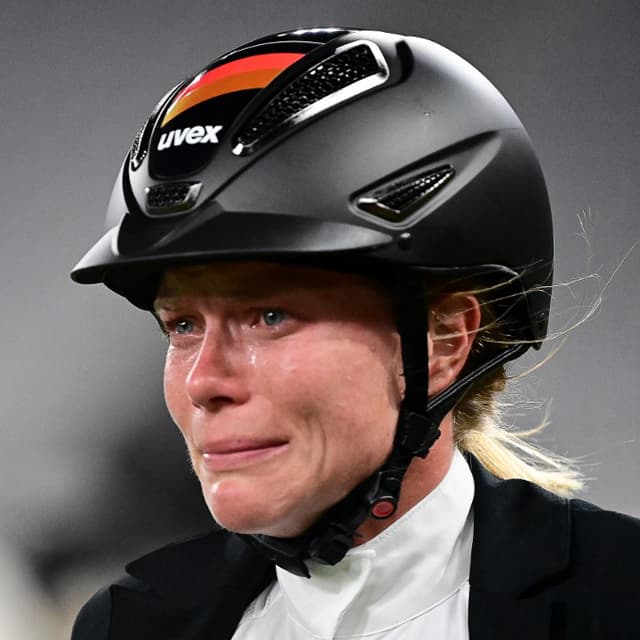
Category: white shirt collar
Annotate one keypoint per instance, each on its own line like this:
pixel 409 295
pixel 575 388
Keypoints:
pixel 417 562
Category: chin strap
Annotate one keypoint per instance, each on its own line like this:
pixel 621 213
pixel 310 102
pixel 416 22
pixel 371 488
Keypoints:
pixel 419 420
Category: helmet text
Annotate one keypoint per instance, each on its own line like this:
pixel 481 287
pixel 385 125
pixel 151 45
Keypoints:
pixel 189 135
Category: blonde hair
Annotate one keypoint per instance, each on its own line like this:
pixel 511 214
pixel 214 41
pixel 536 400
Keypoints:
pixel 479 429
pixel 479 423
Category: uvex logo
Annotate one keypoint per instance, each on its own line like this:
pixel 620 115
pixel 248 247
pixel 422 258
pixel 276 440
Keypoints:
pixel 189 135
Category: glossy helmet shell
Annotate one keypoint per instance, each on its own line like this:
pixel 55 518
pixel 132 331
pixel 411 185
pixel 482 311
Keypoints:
pixel 336 147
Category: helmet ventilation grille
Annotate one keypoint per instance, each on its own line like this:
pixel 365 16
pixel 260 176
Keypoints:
pixel 140 144
pixel 138 149
pixel 351 70
pixel 398 200
pixel 176 197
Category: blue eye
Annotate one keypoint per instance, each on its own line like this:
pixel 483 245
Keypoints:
pixel 272 317
pixel 183 327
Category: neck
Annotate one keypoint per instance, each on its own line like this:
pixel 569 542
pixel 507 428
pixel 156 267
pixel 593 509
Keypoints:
pixel 422 477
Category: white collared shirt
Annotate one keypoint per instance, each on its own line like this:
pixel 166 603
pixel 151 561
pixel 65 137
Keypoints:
pixel 410 582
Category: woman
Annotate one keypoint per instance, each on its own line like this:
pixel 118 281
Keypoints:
pixel 345 236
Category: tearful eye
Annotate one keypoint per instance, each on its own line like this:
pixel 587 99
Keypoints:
pixel 272 317
pixel 183 327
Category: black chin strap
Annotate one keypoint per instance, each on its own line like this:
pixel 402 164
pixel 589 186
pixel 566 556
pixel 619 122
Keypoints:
pixel 332 536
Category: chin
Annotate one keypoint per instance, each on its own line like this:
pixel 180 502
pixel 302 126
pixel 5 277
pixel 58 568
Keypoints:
pixel 254 524
pixel 235 511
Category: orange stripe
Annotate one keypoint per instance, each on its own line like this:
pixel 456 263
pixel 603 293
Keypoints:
pixel 249 73
pixel 238 82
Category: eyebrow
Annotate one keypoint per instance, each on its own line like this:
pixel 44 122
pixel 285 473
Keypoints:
pixel 169 301
pixel 163 304
pixel 243 288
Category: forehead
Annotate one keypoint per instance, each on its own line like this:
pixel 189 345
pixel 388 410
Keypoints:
pixel 256 279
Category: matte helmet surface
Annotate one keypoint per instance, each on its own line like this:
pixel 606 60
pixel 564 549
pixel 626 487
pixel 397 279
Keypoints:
pixel 332 146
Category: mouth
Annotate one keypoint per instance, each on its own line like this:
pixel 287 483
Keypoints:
pixel 235 454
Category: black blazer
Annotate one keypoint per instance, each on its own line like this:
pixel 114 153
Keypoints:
pixel 542 567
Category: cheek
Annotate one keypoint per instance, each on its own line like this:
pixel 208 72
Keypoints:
pixel 347 392
pixel 174 379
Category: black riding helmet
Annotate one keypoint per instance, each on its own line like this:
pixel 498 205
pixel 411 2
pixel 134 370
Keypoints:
pixel 346 149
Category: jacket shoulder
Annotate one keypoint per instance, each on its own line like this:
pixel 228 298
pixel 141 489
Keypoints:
pixel 93 620
pixel 185 590
pixel 589 515
pixel 605 540
pixel 543 566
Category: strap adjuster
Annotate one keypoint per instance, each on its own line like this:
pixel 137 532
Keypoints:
pixel 416 432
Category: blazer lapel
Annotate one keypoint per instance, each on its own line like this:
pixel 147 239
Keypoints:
pixel 521 541
pixel 196 590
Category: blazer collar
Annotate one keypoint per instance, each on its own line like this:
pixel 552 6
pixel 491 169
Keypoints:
pixel 191 569
pixel 521 541
pixel 194 590
pixel 521 534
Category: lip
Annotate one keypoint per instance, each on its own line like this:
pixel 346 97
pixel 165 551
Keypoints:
pixel 234 454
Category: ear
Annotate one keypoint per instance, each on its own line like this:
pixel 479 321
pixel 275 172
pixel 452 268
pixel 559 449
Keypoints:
pixel 453 323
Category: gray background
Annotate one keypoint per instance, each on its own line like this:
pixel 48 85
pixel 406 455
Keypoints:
pixel 92 470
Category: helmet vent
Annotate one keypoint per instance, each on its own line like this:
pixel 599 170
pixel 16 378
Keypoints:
pixel 351 70
pixel 176 197
pixel 397 201
pixel 140 144
pixel 138 149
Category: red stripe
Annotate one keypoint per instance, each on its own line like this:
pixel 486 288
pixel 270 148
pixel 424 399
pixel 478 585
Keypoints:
pixel 262 61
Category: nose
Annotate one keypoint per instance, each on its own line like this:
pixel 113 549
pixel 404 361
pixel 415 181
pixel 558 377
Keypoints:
pixel 218 375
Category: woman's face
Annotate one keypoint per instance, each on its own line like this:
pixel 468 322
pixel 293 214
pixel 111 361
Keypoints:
pixel 285 383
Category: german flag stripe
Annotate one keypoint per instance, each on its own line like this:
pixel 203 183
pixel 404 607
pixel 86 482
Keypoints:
pixel 254 72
